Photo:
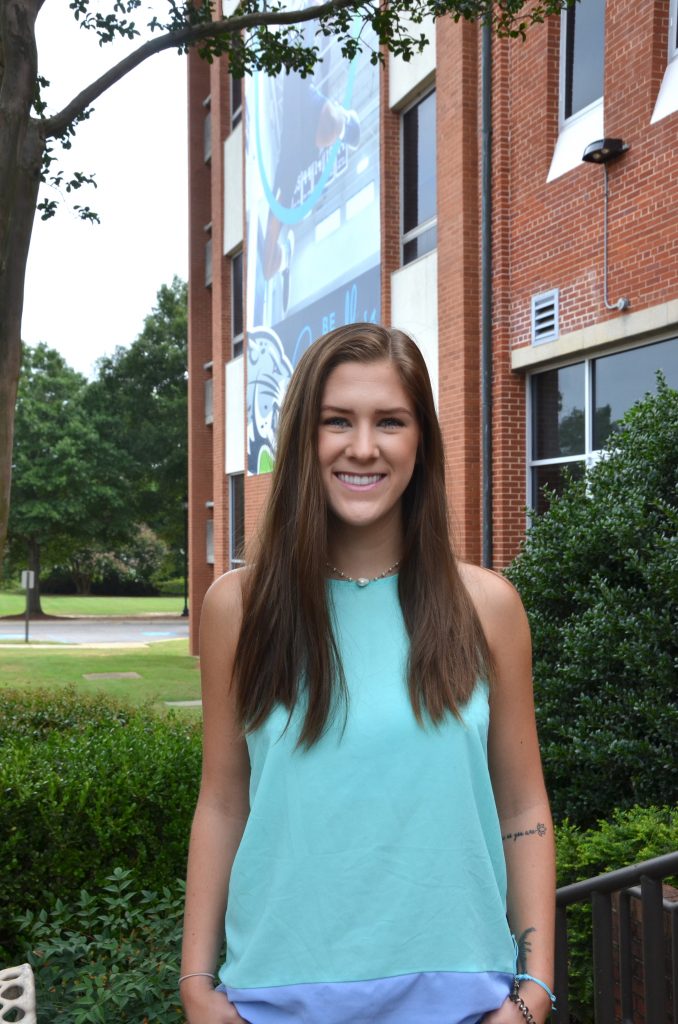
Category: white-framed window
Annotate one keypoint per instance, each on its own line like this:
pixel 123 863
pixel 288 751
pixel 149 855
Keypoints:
pixel 207 129
pixel 236 101
pixel 237 320
pixel 236 526
pixel 582 57
pixel 667 99
pixel 582 73
pixel 208 255
pixel 574 408
pixel 209 541
pixel 209 401
pixel 418 178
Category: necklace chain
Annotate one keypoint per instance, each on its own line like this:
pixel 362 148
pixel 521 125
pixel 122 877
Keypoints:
pixel 362 581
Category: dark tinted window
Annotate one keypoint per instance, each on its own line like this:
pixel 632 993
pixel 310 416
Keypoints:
pixel 584 54
pixel 419 177
pixel 237 519
pixel 558 427
pixel 553 477
pixel 236 284
pixel 621 379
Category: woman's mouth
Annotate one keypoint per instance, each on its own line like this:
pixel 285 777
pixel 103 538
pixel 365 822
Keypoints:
pixel 360 481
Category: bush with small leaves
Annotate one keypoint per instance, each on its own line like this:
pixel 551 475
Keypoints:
pixel 88 786
pixel 107 956
pixel 598 574
pixel 627 837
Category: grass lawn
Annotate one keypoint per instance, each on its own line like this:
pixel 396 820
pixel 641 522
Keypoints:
pixel 72 604
pixel 167 670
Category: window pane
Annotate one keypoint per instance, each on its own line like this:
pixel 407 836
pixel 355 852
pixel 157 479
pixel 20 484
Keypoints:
pixel 419 246
pixel 621 379
pixel 584 54
pixel 236 269
pixel 554 476
pixel 236 101
pixel 237 519
pixel 558 412
pixel 419 163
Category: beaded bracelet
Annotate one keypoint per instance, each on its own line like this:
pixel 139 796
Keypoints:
pixel 521 1004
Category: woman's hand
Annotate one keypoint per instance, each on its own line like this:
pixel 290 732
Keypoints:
pixel 205 1005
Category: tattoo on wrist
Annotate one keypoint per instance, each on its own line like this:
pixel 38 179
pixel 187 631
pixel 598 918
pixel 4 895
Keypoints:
pixel 539 830
pixel 524 947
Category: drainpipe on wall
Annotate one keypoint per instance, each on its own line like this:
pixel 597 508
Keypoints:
pixel 486 290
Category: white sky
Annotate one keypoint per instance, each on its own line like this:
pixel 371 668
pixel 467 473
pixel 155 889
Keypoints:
pixel 89 286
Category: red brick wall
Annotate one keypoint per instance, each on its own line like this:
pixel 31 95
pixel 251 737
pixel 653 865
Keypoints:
pixel 458 275
pixel 556 229
pixel 199 345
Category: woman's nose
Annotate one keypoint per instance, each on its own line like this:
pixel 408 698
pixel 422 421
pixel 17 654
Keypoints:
pixel 363 444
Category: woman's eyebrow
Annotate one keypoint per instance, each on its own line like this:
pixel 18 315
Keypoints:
pixel 399 409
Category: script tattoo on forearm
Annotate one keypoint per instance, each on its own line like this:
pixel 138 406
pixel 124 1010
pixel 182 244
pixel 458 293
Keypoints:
pixel 539 830
pixel 524 947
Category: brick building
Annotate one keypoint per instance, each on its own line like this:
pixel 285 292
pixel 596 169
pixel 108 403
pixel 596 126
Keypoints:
pixel 565 270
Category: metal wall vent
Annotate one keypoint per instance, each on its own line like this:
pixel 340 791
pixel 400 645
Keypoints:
pixel 545 317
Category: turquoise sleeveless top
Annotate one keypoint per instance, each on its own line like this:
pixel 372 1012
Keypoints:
pixel 370 882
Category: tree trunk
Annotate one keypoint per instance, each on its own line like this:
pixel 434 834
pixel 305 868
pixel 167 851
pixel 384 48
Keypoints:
pixel 22 144
pixel 34 606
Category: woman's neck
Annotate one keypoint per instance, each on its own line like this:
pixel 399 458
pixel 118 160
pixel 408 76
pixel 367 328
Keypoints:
pixel 364 551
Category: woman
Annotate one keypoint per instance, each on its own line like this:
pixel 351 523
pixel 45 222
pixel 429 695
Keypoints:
pixel 370 751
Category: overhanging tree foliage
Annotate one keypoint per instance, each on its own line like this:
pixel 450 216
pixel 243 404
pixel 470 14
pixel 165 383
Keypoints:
pixel 272 44
pixel 67 478
pixel 599 577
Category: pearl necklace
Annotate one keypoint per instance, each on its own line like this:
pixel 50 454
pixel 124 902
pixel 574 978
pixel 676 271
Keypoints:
pixel 362 581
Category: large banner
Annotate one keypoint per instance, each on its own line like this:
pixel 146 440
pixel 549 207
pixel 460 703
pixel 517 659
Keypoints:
pixel 313 226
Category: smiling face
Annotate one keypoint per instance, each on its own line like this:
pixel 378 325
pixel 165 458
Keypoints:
pixel 368 437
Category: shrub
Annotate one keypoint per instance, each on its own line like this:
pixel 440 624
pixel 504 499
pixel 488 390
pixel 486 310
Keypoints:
pixel 598 574
pixel 172 588
pixel 113 956
pixel 88 786
pixel 629 836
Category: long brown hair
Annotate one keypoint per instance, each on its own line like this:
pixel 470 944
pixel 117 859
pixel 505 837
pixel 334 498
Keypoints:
pixel 286 633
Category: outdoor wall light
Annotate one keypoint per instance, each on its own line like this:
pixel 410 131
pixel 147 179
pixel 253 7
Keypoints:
pixel 601 152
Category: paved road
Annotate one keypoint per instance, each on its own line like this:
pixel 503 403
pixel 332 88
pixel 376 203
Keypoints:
pixel 95 631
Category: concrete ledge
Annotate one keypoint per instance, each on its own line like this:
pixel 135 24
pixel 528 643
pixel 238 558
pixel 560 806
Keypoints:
pixel 659 320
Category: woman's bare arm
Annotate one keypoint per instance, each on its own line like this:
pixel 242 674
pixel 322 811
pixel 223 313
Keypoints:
pixel 222 808
pixel 520 794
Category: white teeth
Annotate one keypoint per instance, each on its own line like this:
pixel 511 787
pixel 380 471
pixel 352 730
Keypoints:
pixel 360 481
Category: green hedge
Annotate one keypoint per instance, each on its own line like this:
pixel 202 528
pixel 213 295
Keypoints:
pixel 113 956
pixel 598 575
pixel 88 786
pixel 627 837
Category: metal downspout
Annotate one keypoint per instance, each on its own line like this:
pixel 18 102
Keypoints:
pixel 486 290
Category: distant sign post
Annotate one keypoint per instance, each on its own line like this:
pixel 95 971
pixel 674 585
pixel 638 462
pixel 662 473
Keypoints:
pixel 27 582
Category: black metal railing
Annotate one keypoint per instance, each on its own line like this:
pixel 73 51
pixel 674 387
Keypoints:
pixel 644 880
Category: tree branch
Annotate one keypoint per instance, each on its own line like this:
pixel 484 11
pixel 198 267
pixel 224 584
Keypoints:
pixel 56 125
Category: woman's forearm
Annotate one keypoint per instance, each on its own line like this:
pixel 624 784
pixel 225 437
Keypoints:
pixel 530 861
pixel 214 841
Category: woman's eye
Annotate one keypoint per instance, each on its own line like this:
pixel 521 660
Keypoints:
pixel 391 422
pixel 335 421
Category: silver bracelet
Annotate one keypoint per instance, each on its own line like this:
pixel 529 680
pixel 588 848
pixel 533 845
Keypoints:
pixel 197 974
pixel 516 998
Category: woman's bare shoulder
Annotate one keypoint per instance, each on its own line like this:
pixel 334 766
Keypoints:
pixel 227 589
pixel 223 602
pixel 496 600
